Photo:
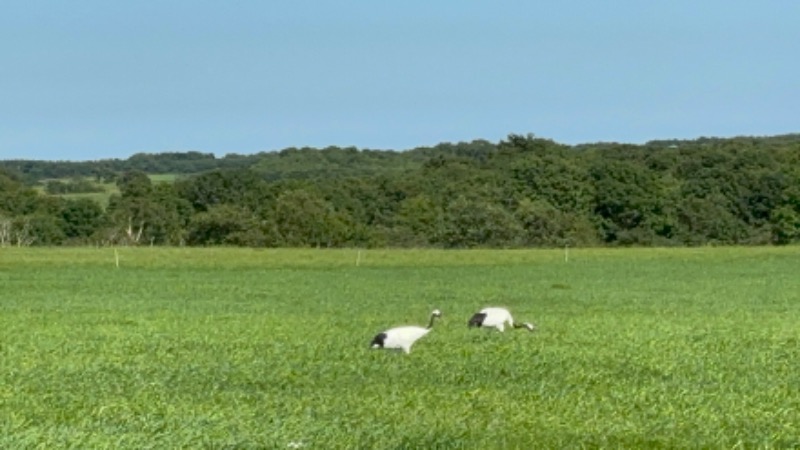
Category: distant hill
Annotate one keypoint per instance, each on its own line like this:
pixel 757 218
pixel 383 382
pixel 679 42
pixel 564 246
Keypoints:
pixel 521 192
pixel 290 163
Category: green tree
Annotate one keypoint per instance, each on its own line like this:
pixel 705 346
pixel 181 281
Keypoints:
pixel 419 222
pixel 225 225
pixel 81 218
pixel 239 187
pixel 708 221
pixel 477 223
pixel 44 229
pixel 134 183
pixel 556 180
pixel 305 219
pixel 785 223
pixel 627 201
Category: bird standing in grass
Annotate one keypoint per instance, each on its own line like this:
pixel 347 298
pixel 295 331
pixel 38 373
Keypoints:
pixel 404 337
pixel 497 318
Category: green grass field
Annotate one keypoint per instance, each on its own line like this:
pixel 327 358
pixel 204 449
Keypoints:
pixel 242 348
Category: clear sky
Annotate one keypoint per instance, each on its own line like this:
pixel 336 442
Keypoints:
pixel 92 79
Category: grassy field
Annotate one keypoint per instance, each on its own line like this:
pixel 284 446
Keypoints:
pixel 241 348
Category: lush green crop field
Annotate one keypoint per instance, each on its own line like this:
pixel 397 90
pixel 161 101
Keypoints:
pixel 235 348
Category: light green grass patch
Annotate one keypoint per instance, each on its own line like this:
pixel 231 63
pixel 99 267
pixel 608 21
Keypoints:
pixel 164 177
pixel 242 348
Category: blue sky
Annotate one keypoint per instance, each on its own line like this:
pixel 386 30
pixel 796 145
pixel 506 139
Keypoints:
pixel 93 79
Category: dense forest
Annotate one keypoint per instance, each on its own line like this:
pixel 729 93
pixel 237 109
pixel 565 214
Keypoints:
pixel 523 191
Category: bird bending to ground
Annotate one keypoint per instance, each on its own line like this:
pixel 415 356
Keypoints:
pixel 403 337
pixel 494 317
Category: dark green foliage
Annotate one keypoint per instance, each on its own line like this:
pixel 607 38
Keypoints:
pixel 304 219
pixel 81 218
pixel 785 223
pixel 331 162
pixel 474 222
pixel 107 169
pixel 625 198
pixel 15 198
pixel 521 192
pixel 708 220
pixel 241 186
pixel 544 225
pixel 38 229
pixel 225 225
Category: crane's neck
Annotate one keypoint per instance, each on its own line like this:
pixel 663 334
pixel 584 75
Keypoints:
pixel 433 318
pixel 526 325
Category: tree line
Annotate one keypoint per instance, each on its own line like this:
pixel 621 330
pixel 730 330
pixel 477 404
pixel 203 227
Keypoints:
pixel 523 191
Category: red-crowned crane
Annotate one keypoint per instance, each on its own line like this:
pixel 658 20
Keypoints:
pixel 403 337
pixel 494 317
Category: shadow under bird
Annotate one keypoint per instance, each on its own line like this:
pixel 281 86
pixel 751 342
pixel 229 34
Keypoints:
pixel 497 318
pixel 403 338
